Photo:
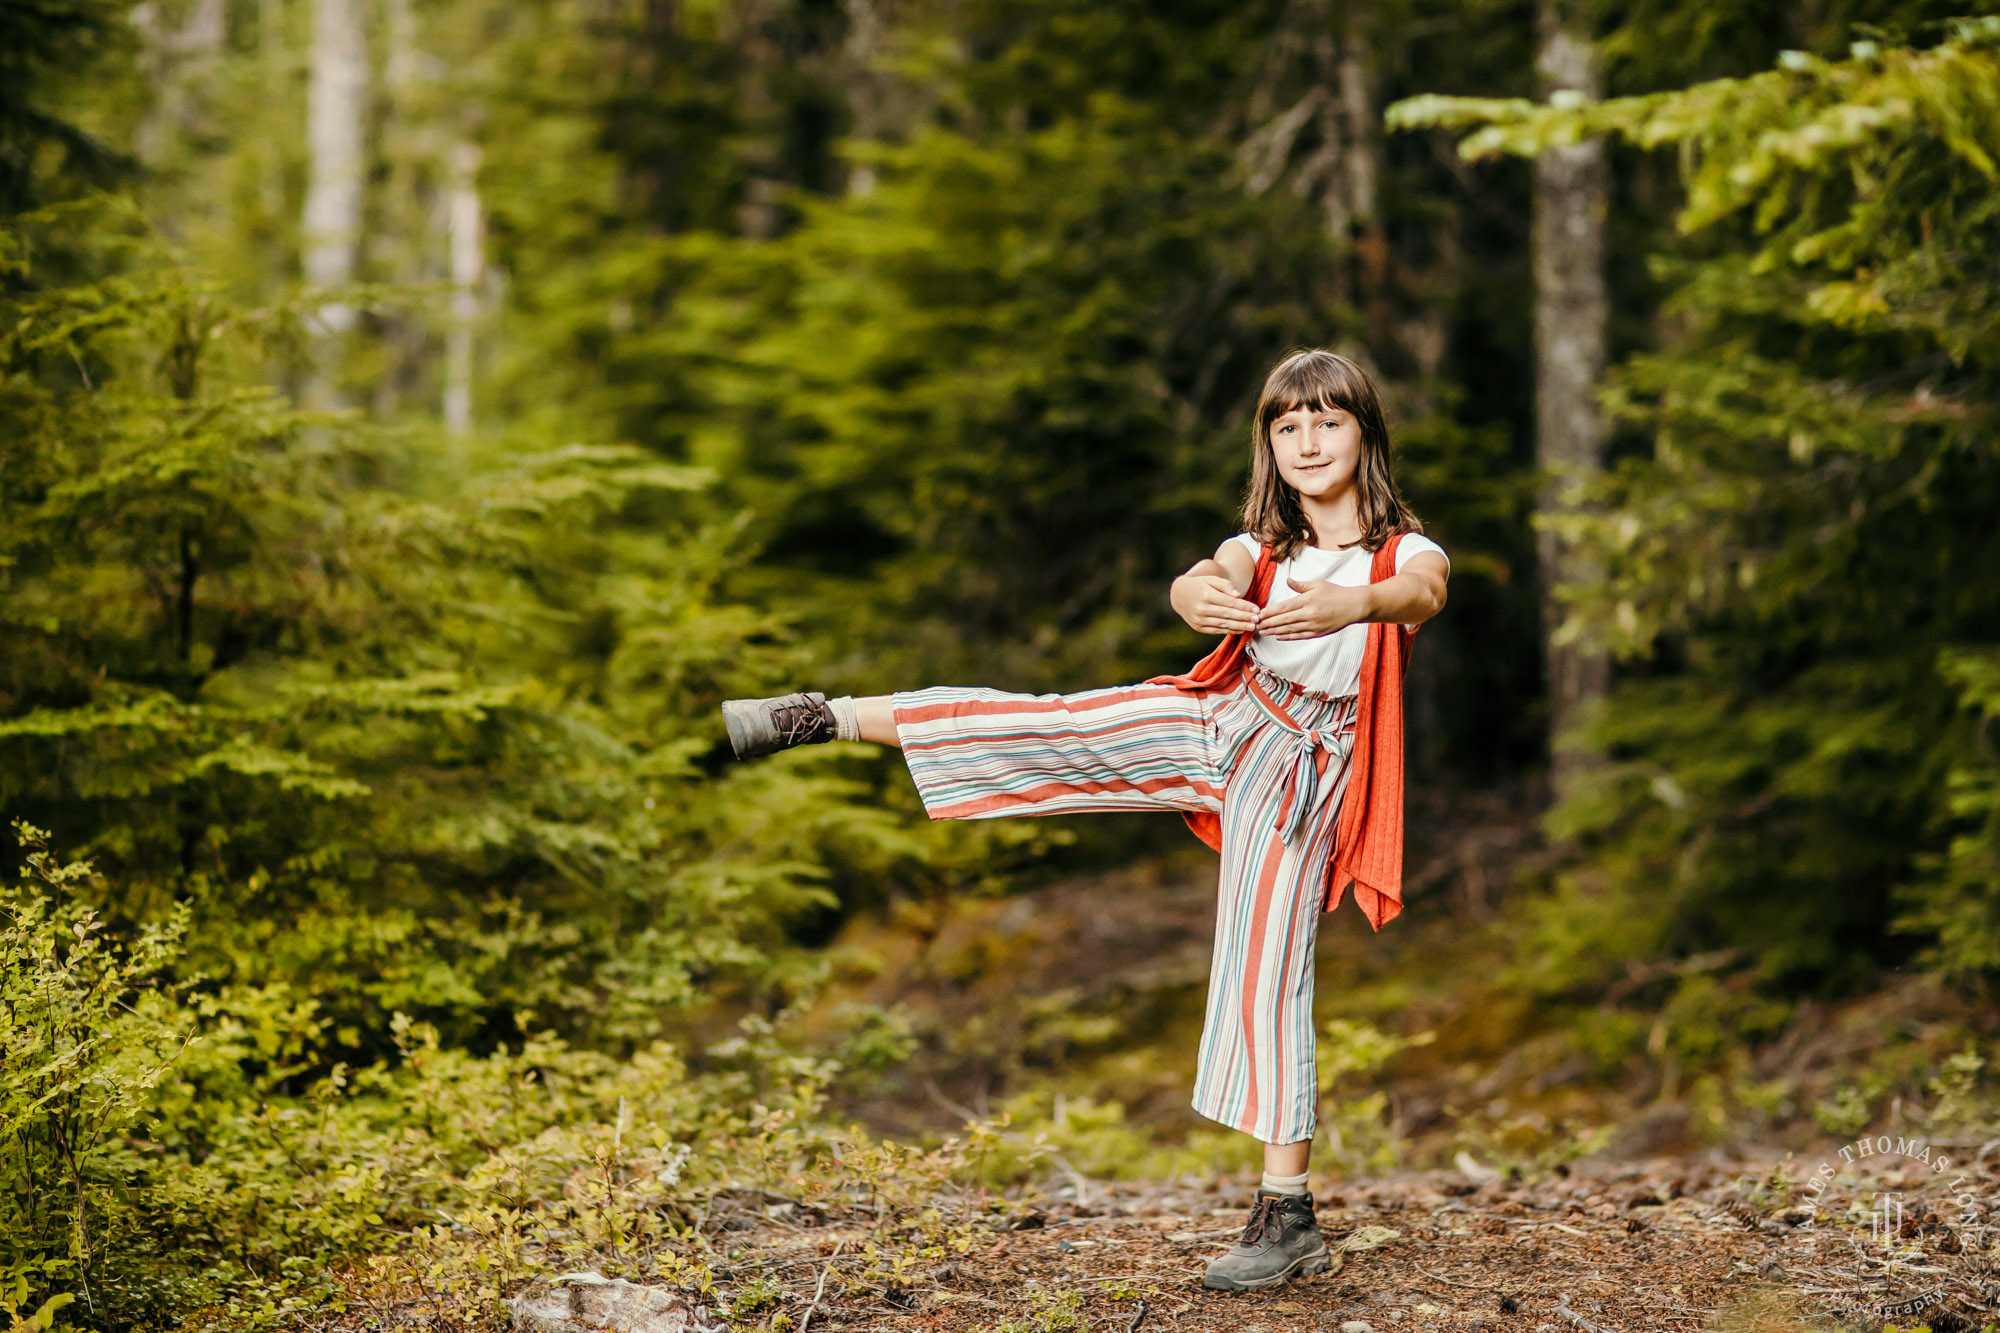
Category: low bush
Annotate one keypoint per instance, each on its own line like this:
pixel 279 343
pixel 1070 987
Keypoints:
pixel 167 1159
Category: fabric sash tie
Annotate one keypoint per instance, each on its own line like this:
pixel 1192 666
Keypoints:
pixel 1303 766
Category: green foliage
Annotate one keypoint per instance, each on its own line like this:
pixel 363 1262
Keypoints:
pixel 1957 904
pixel 984 488
pixel 815 349
pixel 983 403
pixel 1054 1312
pixel 86 1034
pixel 39 145
pixel 1359 1136
pixel 407 728
pixel 1795 549
pixel 154 1162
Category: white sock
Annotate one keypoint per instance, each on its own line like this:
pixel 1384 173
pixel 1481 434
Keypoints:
pixel 1286 1184
pixel 846 722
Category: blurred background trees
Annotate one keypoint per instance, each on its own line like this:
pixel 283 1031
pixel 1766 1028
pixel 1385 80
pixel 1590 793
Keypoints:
pixel 420 413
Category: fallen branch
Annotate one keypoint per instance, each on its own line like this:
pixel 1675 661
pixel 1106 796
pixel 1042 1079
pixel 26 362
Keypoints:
pixel 820 1290
pixel 1562 1308
pixel 1445 1281
pixel 1203 1235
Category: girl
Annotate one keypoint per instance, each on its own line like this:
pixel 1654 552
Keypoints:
pixel 1282 748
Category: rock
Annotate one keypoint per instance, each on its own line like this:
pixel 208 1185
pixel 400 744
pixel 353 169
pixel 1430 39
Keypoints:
pixel 592 1303
pixel 1369 1238
pixel 1357 1326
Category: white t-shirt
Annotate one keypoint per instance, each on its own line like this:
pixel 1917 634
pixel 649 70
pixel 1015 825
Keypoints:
pixel 1331 663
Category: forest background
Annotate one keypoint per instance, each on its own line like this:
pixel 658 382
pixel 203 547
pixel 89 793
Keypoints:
pixel 419 414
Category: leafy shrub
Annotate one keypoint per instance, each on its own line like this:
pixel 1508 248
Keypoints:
pixel 86 1034
pixel 155 1163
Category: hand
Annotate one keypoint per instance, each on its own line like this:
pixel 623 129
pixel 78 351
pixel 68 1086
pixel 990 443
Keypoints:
pixel 1208 602
pixel 1320 608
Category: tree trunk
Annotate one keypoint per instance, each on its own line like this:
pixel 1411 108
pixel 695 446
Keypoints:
pixel 178 59
pixel 1571 196
pixel 336 107
pixel 867 114
pixel 1362 170
pixel 464 230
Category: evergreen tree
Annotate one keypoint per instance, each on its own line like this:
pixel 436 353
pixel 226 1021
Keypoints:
pixel 409 728
pixel 39 141
pixel 1797 557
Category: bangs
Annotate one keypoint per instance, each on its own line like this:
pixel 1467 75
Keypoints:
pixel 1315 381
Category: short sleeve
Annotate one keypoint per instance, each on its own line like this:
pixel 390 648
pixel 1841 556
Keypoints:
pixel 1414 542
pixel 1249 543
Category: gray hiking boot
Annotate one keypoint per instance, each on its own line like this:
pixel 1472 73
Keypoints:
pixel 761 726
pixel 1280 1241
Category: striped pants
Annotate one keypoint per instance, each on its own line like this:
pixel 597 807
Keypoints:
pixel 1267 756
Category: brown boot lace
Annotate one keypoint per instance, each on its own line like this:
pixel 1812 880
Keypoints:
pixel 802 722
pixel 1263 1224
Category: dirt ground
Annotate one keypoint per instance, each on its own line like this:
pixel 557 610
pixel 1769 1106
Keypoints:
pixel 1664 1244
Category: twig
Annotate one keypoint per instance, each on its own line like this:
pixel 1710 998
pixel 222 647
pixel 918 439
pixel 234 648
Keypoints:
pixel 1076 1179
pixel 1445 1281
pixel 820 1290
pixel 761 1264
pixel 1137 1315
pixel 1562 1308
pixel 966 1113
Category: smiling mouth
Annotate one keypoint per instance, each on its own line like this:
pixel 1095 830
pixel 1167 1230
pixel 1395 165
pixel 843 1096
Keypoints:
pixel 1311 467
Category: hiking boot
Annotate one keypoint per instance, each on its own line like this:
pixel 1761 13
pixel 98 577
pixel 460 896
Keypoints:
pixel 761 726
pixel 1280 1241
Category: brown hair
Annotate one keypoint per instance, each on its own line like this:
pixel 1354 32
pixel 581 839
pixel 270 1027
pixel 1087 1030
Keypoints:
pixel 1319 379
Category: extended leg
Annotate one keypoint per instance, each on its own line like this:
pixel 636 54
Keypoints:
pixel 877 715
pixel 983 754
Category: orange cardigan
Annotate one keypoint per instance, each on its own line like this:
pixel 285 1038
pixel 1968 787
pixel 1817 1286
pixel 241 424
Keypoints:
pixel 1368 842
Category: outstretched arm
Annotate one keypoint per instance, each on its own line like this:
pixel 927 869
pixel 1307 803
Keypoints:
pixel 1413 596
pixel 1408 598
pixel 1210 595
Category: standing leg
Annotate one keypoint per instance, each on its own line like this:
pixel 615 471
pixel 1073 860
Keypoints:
pixel 1256 1070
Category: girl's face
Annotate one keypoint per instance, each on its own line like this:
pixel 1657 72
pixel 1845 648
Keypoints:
pixel 1317 451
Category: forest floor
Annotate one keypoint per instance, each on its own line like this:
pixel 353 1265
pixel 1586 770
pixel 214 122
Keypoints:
pixel 1621 1246
pixel 1558 1189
